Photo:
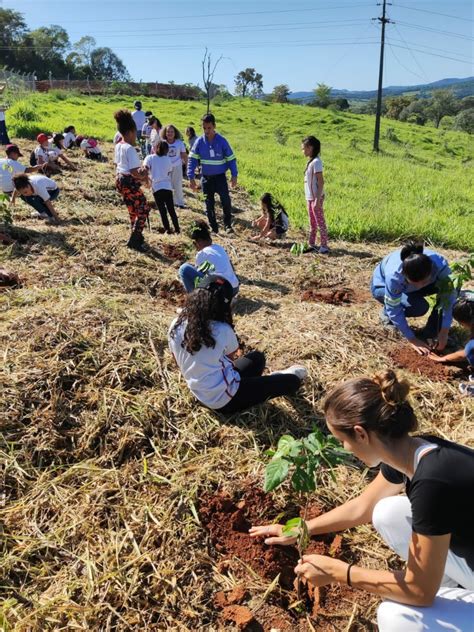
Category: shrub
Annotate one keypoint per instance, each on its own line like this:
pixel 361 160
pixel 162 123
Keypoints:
pixel 281 136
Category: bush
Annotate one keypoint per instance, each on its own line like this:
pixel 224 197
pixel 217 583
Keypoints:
pixel 391 135
pixel 464 121
pixel 24 112
pixel 281 136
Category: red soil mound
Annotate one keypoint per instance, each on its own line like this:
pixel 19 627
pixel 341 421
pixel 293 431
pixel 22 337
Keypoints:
pixel 171 291
pixel 338 296
pixel 174 251
pixel 228 521
pixel 405 357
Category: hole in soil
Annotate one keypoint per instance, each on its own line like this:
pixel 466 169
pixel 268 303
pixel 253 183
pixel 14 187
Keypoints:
pixel 227 520
pixel 337 296
pixel 171 291
pixel 405 357
pixel 174 251
pixel 8 279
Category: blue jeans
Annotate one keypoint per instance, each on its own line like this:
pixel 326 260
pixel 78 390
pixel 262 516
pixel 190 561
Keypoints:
pixel 38 203
pixel 188 275
pixel 415 305
pixel 210 186
pixel 469 351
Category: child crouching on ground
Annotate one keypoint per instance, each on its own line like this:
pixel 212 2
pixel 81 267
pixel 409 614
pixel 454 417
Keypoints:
pixel 38 192
pixel 160 167
pixel 463 313
pixel 274 223
pixel 91 149
pixel 210 259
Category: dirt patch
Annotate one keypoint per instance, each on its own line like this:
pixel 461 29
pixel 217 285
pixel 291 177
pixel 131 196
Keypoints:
pixel 170 291
pixel 405 357
pixel 344 296
pixel 174 251
pixel 8 279
pixel 228 520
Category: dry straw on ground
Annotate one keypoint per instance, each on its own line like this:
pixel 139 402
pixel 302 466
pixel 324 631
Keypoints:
pixel 105 453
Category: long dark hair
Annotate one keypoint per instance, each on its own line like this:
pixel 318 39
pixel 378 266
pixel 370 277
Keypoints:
pixel 416 265
pixel 201 308
pixel 315 144
pixel 273 206
pixel 125 122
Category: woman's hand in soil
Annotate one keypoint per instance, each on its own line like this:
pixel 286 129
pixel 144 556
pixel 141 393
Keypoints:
pixel 272 534
pixel 420 346
pixel 442 339
pixel 320 570
pixel 436 358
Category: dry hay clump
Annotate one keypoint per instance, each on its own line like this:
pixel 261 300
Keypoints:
pixel 106 457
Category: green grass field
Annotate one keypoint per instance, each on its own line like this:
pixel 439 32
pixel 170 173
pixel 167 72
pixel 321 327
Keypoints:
pixel 420 185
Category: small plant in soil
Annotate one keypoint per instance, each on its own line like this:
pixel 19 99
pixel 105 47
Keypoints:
pixel 299 249
pixel 302 459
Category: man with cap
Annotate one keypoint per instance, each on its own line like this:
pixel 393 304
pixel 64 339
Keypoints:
pixel 140 119
pixel 10 166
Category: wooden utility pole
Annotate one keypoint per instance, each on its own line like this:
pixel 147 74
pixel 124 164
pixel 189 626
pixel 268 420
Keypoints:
pixel 383 20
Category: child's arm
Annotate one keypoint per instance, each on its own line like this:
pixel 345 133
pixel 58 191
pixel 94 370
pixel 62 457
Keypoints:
pixel 320 191
pixel 457 356
pixel 68 162
pixel 52 210
pixel 13 197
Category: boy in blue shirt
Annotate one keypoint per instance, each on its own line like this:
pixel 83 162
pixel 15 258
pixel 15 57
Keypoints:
pixel 216 156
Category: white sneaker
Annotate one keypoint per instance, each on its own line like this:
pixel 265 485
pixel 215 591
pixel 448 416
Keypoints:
pixel 179 310
pixel 35 215
pixel 298 370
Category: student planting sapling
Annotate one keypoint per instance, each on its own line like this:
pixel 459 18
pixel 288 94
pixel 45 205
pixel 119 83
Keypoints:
pixel 302 458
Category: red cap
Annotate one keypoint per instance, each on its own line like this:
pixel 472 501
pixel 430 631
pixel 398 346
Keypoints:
pixel 10 148
pixel 41 138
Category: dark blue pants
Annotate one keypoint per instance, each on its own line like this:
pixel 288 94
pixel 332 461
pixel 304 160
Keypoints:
pixel 38 203
pixel 210 186
pixel 415 305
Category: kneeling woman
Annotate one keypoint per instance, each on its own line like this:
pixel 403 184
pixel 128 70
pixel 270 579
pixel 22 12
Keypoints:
pixel 205 347
pixel 430 527
pixel 401 281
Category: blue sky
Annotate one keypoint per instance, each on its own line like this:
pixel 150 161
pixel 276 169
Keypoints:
pixel 299 43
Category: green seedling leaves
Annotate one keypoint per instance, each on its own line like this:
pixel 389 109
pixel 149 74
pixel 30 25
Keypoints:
pixel 275 473
pixel 304 481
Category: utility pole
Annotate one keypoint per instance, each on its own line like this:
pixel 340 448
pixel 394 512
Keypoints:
pixel 383 20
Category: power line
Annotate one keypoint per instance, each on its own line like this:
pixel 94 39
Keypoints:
pixel 200 29
pixel 430 29
pixel 462 61
pixel 214 15
pixel 411 53
pixel 403 65
pixel 445 15
pixel 438 50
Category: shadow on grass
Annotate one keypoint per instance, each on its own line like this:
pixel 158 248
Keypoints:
pixel 26 238
pixel 245 306
pixel 263 283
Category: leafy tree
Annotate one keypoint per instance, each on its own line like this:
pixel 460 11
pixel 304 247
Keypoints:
pixel 341 103
pixel 322 96
pixel 12 32
pixel 467 103
pixel 83 49
pixel 464 121
pixel 280 93
pixel 415 112
pixel 395 105
pixel 443 103
pixel 248 83
pixel 106 65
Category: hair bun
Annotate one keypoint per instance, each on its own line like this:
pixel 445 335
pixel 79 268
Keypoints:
pixel 394 392
pixel 411 248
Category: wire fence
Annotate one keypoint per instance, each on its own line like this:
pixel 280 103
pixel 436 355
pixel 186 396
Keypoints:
pixel 16 81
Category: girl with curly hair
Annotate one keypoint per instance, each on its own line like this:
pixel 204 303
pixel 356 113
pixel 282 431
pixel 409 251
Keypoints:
pixel 129 178
pixel 179 157
pixel 205 347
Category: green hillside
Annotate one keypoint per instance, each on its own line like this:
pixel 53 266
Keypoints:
pixel 419 185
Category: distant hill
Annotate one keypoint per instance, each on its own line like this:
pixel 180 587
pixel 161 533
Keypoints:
pixel 461 87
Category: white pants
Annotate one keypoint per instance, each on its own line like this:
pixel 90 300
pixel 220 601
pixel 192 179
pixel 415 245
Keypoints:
pixel 177 184
pixel 453 608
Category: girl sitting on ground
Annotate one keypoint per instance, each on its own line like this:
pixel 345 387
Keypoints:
pixel 91 149
pixel 46 156
pixel 210 259
pixel 129 178
pixel 203 342
pixel 273 224
pixel 430 527
pixel 56 151
pixel 69 137
pixel 159 168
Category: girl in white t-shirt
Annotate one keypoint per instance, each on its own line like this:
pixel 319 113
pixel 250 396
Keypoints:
pixel 178 155
pixel 156 127
pixel 205 347
pixel 159 167
pixel 314 193
pixel 130 175
pixel 69 137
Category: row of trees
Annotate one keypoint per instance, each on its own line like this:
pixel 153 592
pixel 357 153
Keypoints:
pixel 48 50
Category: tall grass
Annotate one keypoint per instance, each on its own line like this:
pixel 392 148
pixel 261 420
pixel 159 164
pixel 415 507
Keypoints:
pixel 419 185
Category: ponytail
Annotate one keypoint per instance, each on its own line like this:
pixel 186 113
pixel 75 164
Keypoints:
pixel 416 265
